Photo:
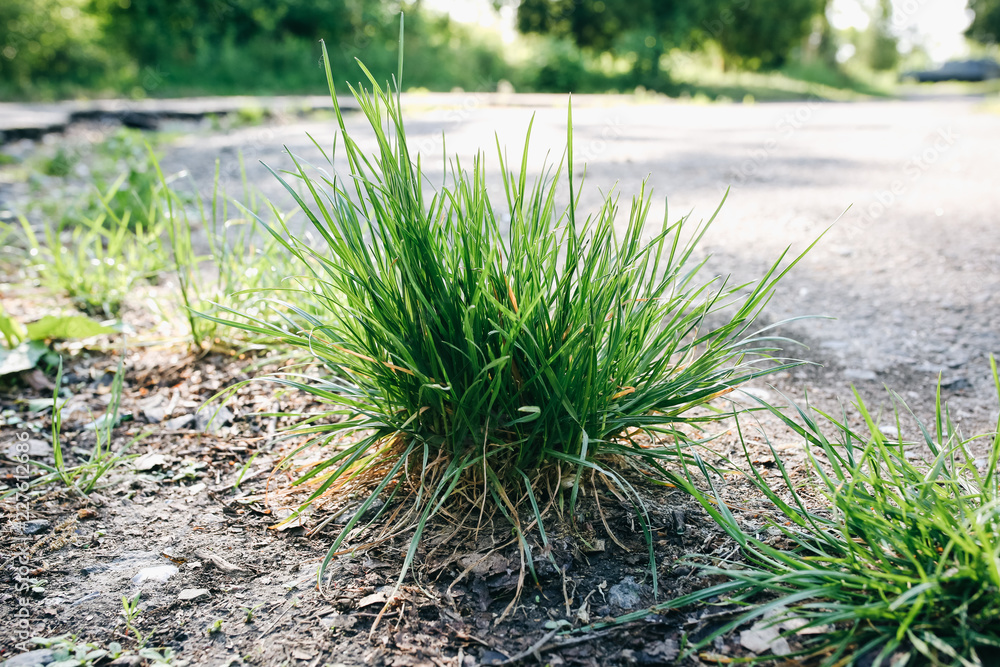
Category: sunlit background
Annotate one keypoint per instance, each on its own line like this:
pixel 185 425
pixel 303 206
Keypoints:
pixel 937 27
pixel 156 48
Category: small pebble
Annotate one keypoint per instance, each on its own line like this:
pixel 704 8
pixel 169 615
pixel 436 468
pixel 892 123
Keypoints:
pixel 955 384
pixel 890 432
pixel 158 574
pixel 625 594
pixel 193 593
pixel 35 526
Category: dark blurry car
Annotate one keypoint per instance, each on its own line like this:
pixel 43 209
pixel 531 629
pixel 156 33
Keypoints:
pixel 980 69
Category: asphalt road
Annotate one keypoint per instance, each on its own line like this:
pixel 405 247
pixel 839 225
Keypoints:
pixel 910 190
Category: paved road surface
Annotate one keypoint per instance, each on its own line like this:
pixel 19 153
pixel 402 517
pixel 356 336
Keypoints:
pixel 32 120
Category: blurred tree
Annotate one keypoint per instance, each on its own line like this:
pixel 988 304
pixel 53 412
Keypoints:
pixel 986 24
pixel 49 40
pixel 175 31
pixel 751 33
pixel 646 28
pixel 759 34
pixel 875 46
pixel 884 45
pixel 821 46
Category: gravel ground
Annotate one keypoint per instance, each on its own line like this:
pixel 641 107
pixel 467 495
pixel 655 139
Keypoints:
pixel 907 270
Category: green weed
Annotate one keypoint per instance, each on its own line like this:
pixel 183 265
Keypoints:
pixel 139 230
pixel 122 162
pixel 60 164
pixel 163 657
pixel 102 458
pixel 130 613
pixel 105 242
pixel 67 650
pixel 242 259
pixel 899 565
pixel 248 612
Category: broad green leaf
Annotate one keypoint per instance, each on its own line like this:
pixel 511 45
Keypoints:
pixel 64 327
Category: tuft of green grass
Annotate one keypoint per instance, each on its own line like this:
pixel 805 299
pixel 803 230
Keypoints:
pixel 105 254
pixel 242 259
pixel 900 563
pixel 482 353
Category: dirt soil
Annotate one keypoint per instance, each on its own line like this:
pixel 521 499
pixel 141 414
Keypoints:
pixel 909 273
pixel 224 587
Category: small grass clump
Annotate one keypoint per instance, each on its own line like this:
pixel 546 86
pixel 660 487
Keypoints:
pixel 242 258
pixel 98 251
pixel 484 355
pixel 900 564
pixel 99 265
pixel 139 232
pixel 85 477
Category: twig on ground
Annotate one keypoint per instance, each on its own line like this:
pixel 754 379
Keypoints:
pixel 533 649
pixel 544 645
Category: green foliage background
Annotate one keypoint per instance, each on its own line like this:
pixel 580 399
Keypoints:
pixel 60 48
pixel 986 25
pixel 754 33
pixel 157 48
pixel 52 40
